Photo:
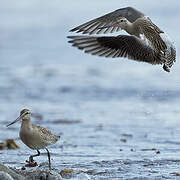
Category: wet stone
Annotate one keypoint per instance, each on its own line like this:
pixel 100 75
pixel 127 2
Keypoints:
pixel 5 176
pixel 67 173
pixel 40 174
pixel 13 174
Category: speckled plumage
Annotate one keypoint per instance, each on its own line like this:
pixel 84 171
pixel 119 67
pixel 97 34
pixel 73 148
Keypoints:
pixel 35 137
pixel 146 42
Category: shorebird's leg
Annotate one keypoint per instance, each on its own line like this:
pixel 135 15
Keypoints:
pixel 49 158
pixel 31 157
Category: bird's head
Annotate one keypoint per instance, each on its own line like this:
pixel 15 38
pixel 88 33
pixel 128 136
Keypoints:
pixel 122 22
pixel 25 114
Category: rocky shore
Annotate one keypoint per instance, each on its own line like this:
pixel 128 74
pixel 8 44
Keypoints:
pixel 7 173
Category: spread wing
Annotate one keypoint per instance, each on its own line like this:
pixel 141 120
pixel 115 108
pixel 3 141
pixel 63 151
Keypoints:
pixel 103 23
pixel 120 46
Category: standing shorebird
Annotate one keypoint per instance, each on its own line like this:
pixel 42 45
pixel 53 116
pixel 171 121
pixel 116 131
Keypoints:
pixel 146 41
pixel 35 137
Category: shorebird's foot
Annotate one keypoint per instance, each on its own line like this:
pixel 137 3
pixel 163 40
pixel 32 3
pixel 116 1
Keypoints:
pixel 31 163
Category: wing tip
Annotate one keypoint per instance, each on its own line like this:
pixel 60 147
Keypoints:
pixel 73 30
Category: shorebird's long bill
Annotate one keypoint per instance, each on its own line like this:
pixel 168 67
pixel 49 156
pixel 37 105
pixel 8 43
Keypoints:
pixel 18 119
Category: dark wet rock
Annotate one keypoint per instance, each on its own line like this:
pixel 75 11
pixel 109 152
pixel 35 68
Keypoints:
pixel 14 175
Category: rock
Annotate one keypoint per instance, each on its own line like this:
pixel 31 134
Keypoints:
pixel 42 175
pixel 18 174
pixel 5 176
pixel 67 173
pixel 8 144
pixel 14 175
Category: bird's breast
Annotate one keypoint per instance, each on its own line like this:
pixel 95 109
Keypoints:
pixel 32 138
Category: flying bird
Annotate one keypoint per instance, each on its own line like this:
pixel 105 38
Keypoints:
pixel 146 42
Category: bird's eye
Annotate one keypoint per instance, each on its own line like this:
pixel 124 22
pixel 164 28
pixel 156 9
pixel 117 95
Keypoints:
pixel 27 113
pixel 121 20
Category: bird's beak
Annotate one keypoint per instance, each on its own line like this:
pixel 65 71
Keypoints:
pixel 18 119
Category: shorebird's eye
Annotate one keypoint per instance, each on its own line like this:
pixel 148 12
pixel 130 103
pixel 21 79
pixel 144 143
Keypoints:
pixel 26 113
pixel 122 20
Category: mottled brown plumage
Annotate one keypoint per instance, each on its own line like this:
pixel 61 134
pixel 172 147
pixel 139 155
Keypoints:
pixel 35 137
pixel 146 42
pixel 119 46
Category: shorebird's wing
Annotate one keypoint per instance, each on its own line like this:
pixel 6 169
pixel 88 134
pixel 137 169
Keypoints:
pixel 120 46
pixel 47 135
pixel 103 23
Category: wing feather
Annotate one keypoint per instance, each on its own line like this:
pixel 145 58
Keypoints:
pixel 92 27
pixel 119 46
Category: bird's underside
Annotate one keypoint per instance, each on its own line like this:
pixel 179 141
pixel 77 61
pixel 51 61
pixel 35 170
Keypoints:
pixel 152 48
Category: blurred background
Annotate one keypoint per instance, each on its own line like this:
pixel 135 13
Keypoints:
pixel 92 102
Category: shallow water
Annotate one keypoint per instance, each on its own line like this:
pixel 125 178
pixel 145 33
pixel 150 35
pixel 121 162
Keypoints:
pixel 124 116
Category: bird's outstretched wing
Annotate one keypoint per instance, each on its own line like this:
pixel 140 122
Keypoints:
pixel 104 23
pixel 119 46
